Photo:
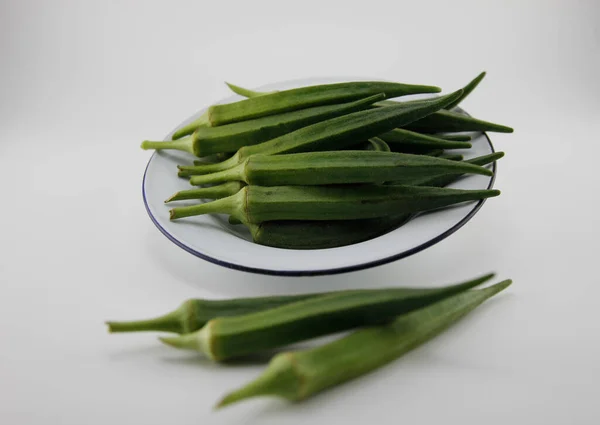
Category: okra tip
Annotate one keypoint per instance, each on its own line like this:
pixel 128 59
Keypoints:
pixel 281 378
pixel 497 287
pixel 493 193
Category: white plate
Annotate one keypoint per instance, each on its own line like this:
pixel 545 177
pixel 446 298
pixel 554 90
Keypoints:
pixel 211 237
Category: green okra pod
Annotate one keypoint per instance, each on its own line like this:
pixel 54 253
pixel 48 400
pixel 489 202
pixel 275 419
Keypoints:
pixel 299 98
pixel 225 338
pixel 298 375
pixel 213 192
pixel 229 138
pixel 335 233
pixel 337 167
pixel 255 204
pixel 409 141
pixel 450 121
pixel 333 134
pixel 193 314
pixel 466 91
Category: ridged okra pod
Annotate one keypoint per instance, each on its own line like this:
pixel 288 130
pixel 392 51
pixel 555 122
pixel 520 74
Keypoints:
pixel 466 90
pixel 451 121
pixel 229 138
pixel 298 375
pixel 255 204
pixel 334 134
pixel 401 140
pixel 337 167
pixel 298 98
pixel 193 314
pixel 224 338
pixel 335 233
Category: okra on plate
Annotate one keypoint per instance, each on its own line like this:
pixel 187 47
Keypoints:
pixel 297 375
pixel 451 121
pixel 337 167
pixel 409 141
pixel 229 138
pixel 466 90
pixel 298 98
pixel 333 134
pixel 224 338
pixel 255 204
pixel 335 233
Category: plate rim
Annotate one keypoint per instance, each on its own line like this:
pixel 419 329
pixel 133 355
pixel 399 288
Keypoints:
pixel 332 271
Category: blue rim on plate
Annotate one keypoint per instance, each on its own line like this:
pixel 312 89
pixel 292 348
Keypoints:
pixel 338 270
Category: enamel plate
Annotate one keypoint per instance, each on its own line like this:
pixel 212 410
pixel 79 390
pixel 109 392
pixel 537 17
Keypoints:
pixel 212 238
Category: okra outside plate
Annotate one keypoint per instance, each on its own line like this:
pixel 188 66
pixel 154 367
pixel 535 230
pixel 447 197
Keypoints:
pixel 212 238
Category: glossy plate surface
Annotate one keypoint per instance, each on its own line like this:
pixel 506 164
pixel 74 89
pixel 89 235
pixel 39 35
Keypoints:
pixel 212 238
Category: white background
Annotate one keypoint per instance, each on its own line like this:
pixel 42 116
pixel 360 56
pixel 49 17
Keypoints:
pixel 82 83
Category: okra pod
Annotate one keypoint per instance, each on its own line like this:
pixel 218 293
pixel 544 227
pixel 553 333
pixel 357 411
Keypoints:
pixel 193 314
pixel 409 141
pixel 225 338
pixel 466 91
pixel 255 204
pixel 337 167
pixel 297 375
pixel 298 98
pixel 213 192
pixel 229 138
pixel 335 233
pixel 333 134
pixel 450 121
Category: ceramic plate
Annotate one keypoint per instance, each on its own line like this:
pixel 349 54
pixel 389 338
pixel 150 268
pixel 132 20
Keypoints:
pixel 212 238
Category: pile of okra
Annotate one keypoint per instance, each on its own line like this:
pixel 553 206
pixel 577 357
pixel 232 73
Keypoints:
pixel 384 324
pixel 329 165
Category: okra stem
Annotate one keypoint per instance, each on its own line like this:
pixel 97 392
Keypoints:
pixel 233 205
pixel 235 173
pixel 185 144
pixel 212 192
pixel 175 321
pixel 201 168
